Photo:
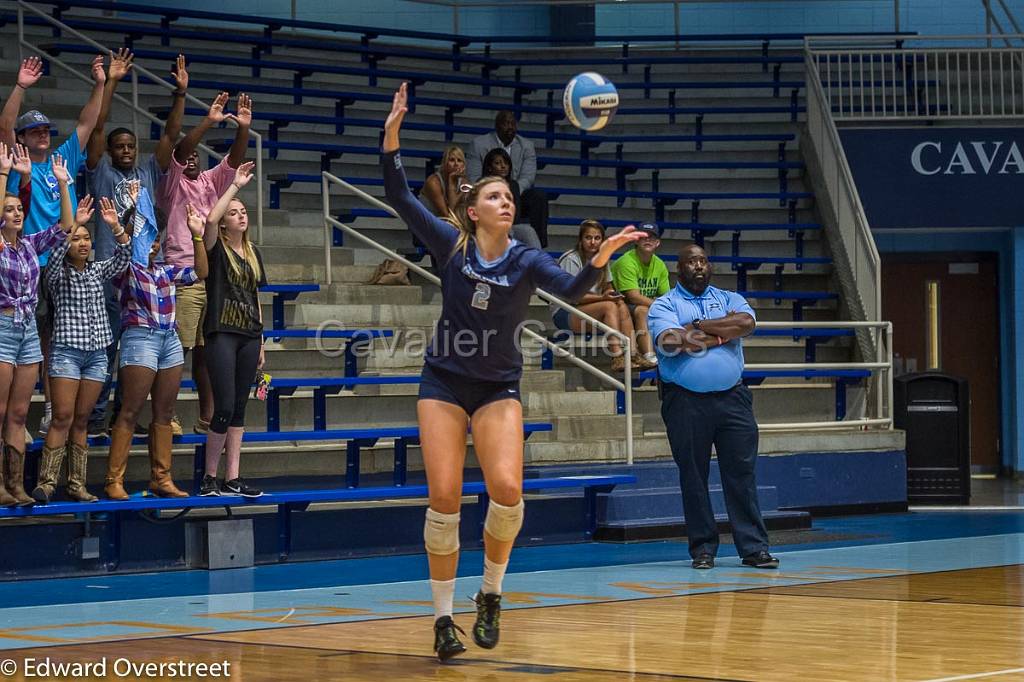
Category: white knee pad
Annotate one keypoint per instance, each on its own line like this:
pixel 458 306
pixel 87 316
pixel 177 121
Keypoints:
pixel 503 523
pixel 441 532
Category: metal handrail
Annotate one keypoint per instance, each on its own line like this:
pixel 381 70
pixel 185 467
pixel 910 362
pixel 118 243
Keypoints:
pixel 134 104
pixel 327 179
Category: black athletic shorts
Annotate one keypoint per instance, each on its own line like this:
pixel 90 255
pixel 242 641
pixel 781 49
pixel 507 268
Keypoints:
pixel 469 394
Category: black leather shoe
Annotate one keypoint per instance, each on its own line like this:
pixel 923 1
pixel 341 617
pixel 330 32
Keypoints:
pixel 446 642
pixel 761 560
pixel 488 617
pixel 703 561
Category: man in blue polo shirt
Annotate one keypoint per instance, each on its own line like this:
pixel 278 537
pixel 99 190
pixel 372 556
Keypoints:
pixel 697 330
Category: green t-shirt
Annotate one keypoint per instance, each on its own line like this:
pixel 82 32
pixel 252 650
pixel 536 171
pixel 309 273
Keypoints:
pixel 629 273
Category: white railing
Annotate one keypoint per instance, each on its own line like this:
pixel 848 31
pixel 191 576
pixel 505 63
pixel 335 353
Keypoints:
pixel 862 80
pixel 133 104
pixel 330 222
pixel 853 246
pixel 992 19
pixel 880 384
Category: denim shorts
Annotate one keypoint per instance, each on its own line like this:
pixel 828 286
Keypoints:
pixel 19 343
pixel 156 349
pixel 70 363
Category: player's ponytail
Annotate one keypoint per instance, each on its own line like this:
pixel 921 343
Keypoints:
pixel 459 215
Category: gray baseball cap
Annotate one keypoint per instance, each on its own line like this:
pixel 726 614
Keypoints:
pixel 32 119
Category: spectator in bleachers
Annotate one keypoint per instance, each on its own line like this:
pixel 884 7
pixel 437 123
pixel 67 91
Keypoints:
pixel 641 277
pixel 20 352
pixel 234 332
pixel 33 131
pixel 185 184
pixel 523 156
pixel 151 354
pixel 602 301
pixel 110 176
pixel 78 359
pixel 442 189
pixel 498 164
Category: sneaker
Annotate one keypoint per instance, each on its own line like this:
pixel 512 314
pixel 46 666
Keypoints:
pixel 209 487
pixel 96 429
pixel 446 642
pixel 237 486
pixel 703 561
pixel 44 425
pixel 761 560
pixel 176 426
pixel 201 427
pixel 488 617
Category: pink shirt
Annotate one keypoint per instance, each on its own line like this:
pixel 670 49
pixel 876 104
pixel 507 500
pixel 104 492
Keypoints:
pixel 175 191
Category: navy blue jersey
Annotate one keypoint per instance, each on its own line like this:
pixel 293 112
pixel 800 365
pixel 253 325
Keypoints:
pixel 484 303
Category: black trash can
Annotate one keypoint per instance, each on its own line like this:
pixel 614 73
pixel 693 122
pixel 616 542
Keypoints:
pixel 935 411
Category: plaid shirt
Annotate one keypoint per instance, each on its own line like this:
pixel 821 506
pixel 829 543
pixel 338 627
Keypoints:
pixel 147 296
pixel 19 271
pixel 80 312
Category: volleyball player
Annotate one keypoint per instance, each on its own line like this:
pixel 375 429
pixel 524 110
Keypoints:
pixel 472 371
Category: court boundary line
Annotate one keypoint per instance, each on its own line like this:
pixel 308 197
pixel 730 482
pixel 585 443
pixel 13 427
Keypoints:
pixel 975 676
pixel 751 588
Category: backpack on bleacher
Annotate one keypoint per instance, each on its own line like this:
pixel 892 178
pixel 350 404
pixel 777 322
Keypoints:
pixel 391 272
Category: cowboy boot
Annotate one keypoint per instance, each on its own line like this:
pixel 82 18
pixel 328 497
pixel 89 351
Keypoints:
pixel 78 459
pixel 117 462
pixel 14 461
pixel 5 498
pixel 160 483
pixel 49 474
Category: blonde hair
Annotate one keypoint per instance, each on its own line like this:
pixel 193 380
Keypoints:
pixel 459 216
pixel 448 152
pixel 250 253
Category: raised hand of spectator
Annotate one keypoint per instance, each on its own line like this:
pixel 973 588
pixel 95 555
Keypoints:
pixel 196 221
pixel 243 174
pixel 60 169
pixel 216 113
pixel 30 72
pixel 109 214
pixel 22 163
pixel 134 187
pixel 6 158
pixel 85 210
pixel 180 74
pixel 120 64
pixel 244 115
pixel 99 75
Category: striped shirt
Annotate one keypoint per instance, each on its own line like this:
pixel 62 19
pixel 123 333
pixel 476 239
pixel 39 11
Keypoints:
pixel 19 271
pixel 80 313
pixel 147 295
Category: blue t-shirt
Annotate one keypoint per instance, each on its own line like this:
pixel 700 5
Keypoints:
pixel 44 210
pixel 484 302
pixel 718 369
pixel 107 181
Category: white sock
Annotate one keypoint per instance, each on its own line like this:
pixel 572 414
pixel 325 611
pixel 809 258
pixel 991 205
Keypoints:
pixel 493 575
pixel 444 594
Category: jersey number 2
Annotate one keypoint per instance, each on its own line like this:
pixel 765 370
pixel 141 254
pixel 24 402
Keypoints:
pixel 482 296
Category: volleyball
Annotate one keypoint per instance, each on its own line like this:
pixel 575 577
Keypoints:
pixel 590 101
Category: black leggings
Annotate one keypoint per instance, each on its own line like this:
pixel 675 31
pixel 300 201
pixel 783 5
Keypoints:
pixel 231 360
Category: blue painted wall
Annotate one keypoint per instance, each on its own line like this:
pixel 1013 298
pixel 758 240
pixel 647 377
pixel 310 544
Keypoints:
pixel 1009 245
pixel 510 20
pixel 932 17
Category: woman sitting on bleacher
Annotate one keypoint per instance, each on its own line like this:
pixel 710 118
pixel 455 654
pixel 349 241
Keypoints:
pixel 151 354
pixel 442 189
pixel 601 302
pixel 497 163
pixel 78 359
pixel 233 332
pixel 20 353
